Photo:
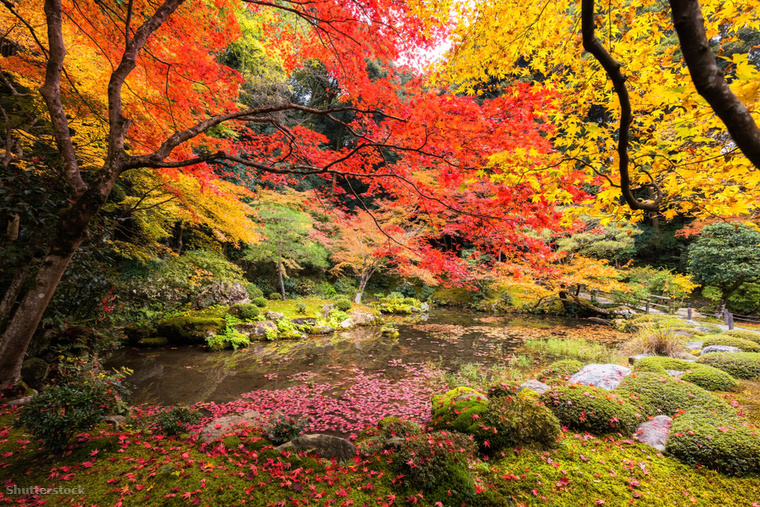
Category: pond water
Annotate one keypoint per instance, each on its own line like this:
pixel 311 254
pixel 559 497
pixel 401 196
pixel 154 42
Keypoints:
pixel 446 340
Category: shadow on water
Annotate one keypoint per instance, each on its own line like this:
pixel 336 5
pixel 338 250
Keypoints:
pixel 447 339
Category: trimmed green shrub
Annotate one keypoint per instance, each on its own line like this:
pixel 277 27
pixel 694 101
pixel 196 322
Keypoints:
pixel 245 311
pixel 710 378
pixel 656 394
pixel 275 296
pixel 732 341
pixel 301 307
pixel 254 291
pixel 516 420
pixel 174 420
pixel 343 305
pixel 586 408
pixel 744 365
pixel 260 301
pixel 460 415
pixel 560 371
pixel 745 335
pixel 284 429
pixel 658 364
pixel 720 442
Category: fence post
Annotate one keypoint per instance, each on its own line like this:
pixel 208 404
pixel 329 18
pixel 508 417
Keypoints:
pixel 688 311
pixel 647 310
pixel 730 321
pixel 725 318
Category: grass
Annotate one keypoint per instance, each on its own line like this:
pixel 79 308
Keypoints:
pixel 581 350
pixel 655 339
pixel 289 307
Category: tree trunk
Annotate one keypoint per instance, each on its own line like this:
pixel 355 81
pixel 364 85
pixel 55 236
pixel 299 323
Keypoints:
pixel 11 295
pixel 279 269
pixel 14 221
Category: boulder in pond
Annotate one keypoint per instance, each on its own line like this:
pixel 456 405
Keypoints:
pixel 229 424
pixel 322 330
pixel 534 385
pixel 363 318
pixel 221 293
pixel 346 324
pixel 326 446
pixel 654 432
pixel 720 348
pixel 264 327
pixel 190 329
pixel 605 376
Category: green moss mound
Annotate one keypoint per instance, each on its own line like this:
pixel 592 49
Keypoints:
pixel 745 365
pixel 503 389
pixel 658 364
pixel 656 394
pixel 560 371
pixel 590 409
pixel 720 442
pixel 710 378
pixel 732 341
pixel 711 328
pixel 512 421
pixel 458 410
pixel 260 301
pixel 743 334
pixel 158 341
pixel 245 311
pixel 190 329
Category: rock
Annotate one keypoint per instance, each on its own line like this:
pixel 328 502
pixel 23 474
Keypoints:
pixel 20 401
pixel 682 332
pixel 326 446
pixel 720 348
pixel 346 324
pixel 190 329
pixel 327 309
pixel 248 329
pixel 304 321
pixel 674 373
pixel 157 341
pixel 425 307
pixel 624 311
pixel 269 314
pixel 605 376
pixel 363 318
pixel 260 331
pixel 135 332
pixel 654 432
pixel 534 385
pixel 414 309
pixel 114 420
pixel 471 396
pixel 633 359
pixel 33 371
pixel 702 329
pixel 221 293
pixel 694 345
pixel 322 330
pixel 293 334
pixel 218 427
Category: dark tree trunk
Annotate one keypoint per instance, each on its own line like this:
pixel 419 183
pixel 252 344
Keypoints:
pixel 13 292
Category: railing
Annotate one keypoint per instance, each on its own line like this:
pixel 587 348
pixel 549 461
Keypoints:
pixel 668 305
pixel 729 319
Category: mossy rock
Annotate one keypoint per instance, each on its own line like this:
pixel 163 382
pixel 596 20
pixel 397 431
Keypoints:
pixel 137 332
pixel 156 341
pixel 656 394
pixel 743 334
pixel 732 341
pixel 586 408
pixel 190 329
pixel 744 365
pixel 560 371
pixel 458 410
pixel 717 441
pixel 512 421
pixel 710 378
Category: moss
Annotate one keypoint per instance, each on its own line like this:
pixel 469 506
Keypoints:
pixel 732 341
pixel 511 421
pixel 745 365
pixel 158 341
pixel 724 443
pixel 190 329
pixel 710 378
pixel 245 311
pixel 711 328
pixel 458 415
pixel 590 409
pixel 559 371
pixel 743 334
pixel 658 364
pixel 656 394
pixel 397 427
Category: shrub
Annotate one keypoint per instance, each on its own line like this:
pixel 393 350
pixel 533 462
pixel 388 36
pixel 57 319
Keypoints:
pixel 397 427
pixel 744 365
pixel 590 409
pixel 745 335
pixel 245 311
pixel 77 404
pixel 175 420
pixel 284 429
pixel 658 364
pixel 412 302
pixel 717 441
pixel 343 305
pixel 259 301
pixel 503 389
pixel 253 290
pixel 407 290
pixel 458 410
pixel 560 370
pixel 275 296
pixel 710 378
pixel 301 307
pixel 515 420
pixel 732 341
pixel 655 394
pixel 655 339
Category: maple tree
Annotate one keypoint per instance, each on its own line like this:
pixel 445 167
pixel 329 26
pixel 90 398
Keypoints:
pixel 634 115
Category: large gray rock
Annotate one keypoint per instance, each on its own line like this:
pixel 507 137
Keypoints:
pixel 654 432
pixel 606 376
pixel 304 321
pixel 269 314
pixel 425 307
pixel 326 446
pixel 694 345
pixel 221 293
pixel 260 331
pixel 534 385
pixel 229 424
pixel 346 324
pixel 322 330
pixel 720 348
pixel 363 318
